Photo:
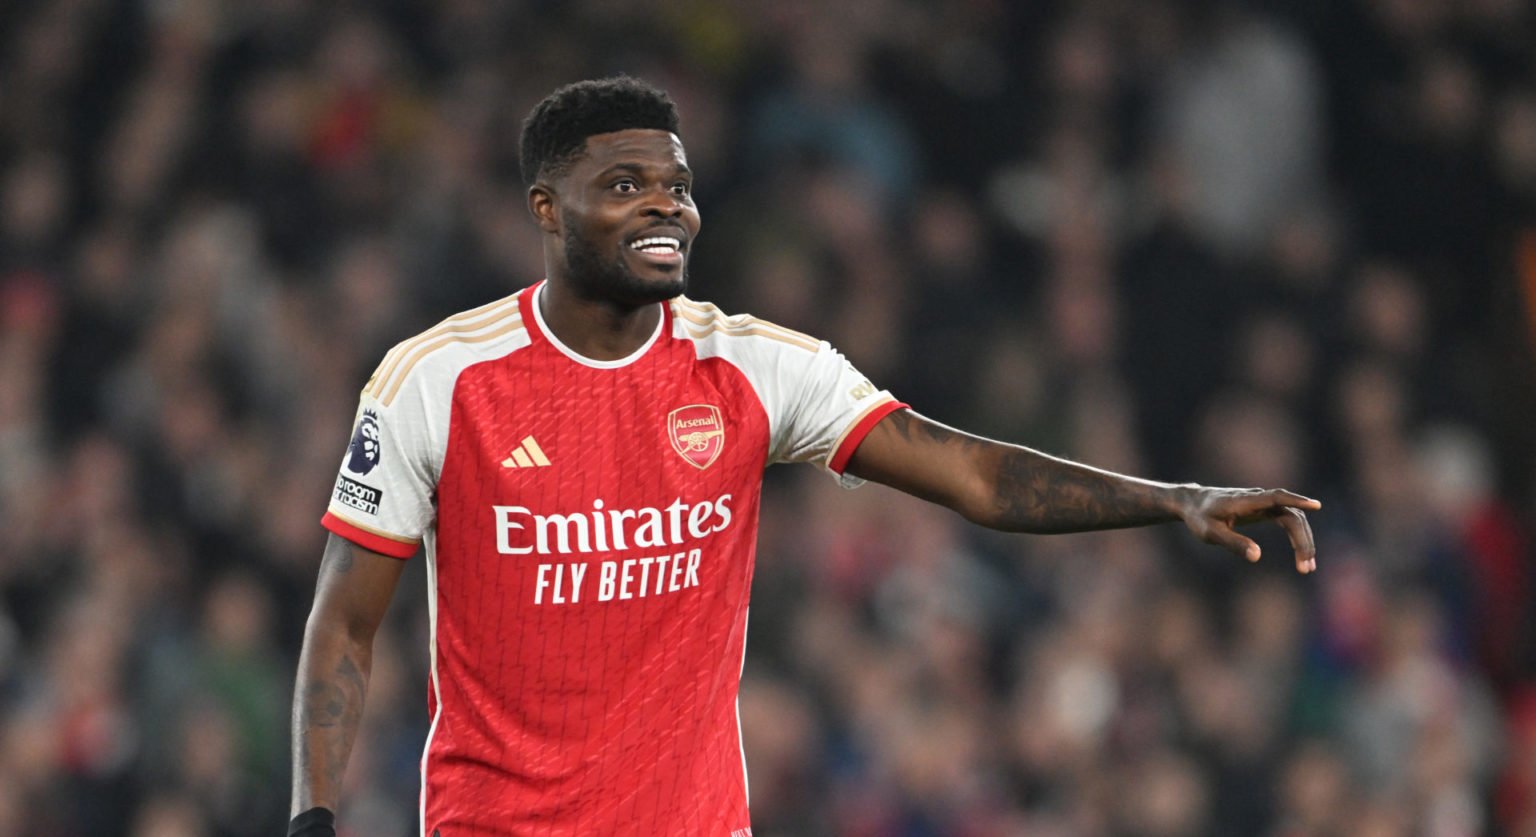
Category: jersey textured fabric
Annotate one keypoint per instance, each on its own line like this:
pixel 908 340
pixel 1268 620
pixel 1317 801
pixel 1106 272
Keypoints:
pixel 589 530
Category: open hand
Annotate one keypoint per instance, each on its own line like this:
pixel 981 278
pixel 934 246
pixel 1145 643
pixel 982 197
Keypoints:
pixel 1212 514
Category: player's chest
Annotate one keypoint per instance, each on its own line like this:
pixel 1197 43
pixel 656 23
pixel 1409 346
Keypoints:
pixel 684 428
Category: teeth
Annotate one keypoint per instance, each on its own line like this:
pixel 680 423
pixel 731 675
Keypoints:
pixel 658 244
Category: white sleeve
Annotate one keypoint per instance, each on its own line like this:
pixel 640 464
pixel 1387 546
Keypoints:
pixel 824 410
pixel 383 497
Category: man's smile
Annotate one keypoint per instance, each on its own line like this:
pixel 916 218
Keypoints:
pixel 660 246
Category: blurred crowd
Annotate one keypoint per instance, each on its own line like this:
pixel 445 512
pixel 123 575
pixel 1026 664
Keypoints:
pixel 1252 243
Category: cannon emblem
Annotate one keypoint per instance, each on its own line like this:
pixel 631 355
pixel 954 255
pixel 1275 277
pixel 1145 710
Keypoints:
pixel 697 433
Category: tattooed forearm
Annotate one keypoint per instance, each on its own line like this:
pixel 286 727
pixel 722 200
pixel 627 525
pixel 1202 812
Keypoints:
pixel 324 705
pixel 351 596
pixel 1021 490
pixel 1039 493
pixel 1008 487
pixel 328 709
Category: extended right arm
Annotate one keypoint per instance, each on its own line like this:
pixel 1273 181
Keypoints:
pixel 353 592
pixel 1015 489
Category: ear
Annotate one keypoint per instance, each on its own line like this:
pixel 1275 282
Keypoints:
pixel 545 207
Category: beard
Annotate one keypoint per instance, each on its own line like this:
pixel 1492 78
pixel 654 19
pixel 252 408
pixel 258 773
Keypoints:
pixel 594 276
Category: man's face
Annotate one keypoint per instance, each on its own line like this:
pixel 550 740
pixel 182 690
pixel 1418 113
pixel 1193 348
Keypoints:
pixel 626 217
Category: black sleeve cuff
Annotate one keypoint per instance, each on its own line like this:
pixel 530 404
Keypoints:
pixel 316 822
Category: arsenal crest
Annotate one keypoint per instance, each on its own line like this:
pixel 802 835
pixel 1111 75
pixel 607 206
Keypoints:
pixel 697 433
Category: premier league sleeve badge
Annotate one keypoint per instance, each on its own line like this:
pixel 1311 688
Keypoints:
pixel 363 452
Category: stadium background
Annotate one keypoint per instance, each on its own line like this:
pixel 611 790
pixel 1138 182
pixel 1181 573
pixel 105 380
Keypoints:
pixel 1273 243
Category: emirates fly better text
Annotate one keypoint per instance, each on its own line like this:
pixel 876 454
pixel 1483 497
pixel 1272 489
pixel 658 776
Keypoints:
pixel 521 531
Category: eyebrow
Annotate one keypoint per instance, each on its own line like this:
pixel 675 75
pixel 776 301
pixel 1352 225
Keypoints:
pixel 640 169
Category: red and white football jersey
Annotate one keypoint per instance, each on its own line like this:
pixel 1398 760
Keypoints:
pixel 589 529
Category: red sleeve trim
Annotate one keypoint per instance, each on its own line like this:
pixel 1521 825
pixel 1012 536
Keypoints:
pixel 378 542
pixel 861 428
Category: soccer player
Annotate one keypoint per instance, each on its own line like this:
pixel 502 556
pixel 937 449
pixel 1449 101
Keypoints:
pixel 580 465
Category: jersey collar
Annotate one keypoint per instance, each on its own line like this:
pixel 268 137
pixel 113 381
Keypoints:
pixel 531 301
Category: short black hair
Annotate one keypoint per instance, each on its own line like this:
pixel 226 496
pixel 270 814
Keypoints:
pixel 556 130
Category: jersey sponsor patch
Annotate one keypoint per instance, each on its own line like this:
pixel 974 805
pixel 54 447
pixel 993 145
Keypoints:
pixel 697 434
pixel 353 494
pixel 363 452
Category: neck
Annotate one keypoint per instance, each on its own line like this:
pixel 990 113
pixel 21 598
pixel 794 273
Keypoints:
pixel 596 329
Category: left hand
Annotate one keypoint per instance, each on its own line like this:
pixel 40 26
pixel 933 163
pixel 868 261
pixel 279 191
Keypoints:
pixel 1212 514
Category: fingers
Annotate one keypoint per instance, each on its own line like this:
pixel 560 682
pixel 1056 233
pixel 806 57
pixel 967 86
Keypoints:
pixel 1255 504
pixel 1281 497
pixel 1300 532
pixel 1225 537
pixel 1225 508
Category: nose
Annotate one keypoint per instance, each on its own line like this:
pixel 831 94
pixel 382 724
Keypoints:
pixel 663 205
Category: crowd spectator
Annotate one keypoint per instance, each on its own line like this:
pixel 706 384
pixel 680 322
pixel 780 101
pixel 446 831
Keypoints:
pixel 1228 241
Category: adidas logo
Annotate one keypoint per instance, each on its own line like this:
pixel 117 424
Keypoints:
pixel 527 454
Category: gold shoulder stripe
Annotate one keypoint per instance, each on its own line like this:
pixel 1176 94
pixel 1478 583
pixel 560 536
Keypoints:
pixel 747 319
pixel 459 323
pixel 405 345
pixel 384 366
pixel 481 309
pixel 511 325
pixel 408 360
pixel 754 328
pixel 699 333
pixel 707 315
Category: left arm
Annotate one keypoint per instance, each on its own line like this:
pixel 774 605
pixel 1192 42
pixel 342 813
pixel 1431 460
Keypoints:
pixel 1015 489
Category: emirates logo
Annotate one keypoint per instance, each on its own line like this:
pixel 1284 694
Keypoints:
pixel 697 434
